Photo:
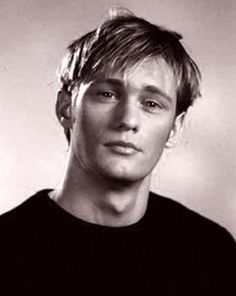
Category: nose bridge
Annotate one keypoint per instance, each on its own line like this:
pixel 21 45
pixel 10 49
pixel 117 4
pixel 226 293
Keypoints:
pixel 127 115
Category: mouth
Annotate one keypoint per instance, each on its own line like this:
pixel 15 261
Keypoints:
pixel 123 147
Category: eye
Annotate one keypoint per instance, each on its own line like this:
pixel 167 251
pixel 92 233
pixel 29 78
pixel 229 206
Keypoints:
pixel 152 105
pixel 107 95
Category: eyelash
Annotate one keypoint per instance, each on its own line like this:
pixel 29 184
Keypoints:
pixel 107 94
pixel 158 105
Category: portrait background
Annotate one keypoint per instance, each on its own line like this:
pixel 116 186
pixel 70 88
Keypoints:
pixel 200 171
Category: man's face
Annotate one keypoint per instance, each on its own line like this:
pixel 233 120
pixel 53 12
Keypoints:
pixel 122 121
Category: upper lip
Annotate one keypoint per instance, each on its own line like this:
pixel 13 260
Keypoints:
pixel 123 144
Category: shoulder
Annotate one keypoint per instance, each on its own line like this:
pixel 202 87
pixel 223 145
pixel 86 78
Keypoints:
pixel 195 243
pixel 188 223
pixel 197 240
pixel 22 216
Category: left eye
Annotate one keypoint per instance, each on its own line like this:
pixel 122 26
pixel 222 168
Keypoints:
pixel 107 94
pixel 152 104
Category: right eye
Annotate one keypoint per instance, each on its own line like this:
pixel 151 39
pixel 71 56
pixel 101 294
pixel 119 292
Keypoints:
pixel 107 96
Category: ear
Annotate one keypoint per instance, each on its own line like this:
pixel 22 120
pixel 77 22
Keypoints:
pixel 175 131
pixel 63 108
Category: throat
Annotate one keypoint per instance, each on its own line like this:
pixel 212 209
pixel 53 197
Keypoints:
pixel 117 205
pixel 117 210
pixel 104 203
pixel 110 209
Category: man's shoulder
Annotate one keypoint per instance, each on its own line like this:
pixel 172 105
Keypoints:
pixel 182 220
pixel 25 213
pixel 178 212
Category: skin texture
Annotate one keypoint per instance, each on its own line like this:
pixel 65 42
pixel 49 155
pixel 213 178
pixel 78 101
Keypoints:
pixel 134 107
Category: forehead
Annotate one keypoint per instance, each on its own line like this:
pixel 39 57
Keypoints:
pixel 152 72
pixel 152 69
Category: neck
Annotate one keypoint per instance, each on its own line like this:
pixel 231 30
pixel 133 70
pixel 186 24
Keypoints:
pixel 101 201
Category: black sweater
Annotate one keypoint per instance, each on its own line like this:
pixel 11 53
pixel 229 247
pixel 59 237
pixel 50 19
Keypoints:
pixel 44 250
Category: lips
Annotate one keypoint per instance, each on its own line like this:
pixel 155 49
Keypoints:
pixel 123 144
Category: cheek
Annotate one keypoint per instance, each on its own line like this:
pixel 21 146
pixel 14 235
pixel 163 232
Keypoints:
pixel 92 124
pixel 158 136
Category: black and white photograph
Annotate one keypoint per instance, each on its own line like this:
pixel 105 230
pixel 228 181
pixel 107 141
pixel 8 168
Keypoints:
pixel 117 147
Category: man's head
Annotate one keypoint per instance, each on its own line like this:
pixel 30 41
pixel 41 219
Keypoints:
pixel 125 88
pixel 122 42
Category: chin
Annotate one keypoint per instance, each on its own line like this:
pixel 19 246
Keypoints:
pixel 123 176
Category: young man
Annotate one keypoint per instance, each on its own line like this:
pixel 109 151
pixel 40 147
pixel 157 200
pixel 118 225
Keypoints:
pixel 125 90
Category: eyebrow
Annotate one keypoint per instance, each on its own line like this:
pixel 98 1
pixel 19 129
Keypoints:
pixel 156 90
pixel 110 80
pixel 148 88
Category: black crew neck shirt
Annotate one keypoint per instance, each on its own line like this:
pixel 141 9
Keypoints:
pixel 171 250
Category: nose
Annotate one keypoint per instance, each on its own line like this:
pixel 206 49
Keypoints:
pixel 127 117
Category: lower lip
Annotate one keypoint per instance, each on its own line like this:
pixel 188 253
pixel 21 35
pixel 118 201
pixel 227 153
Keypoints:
pixel 123 150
